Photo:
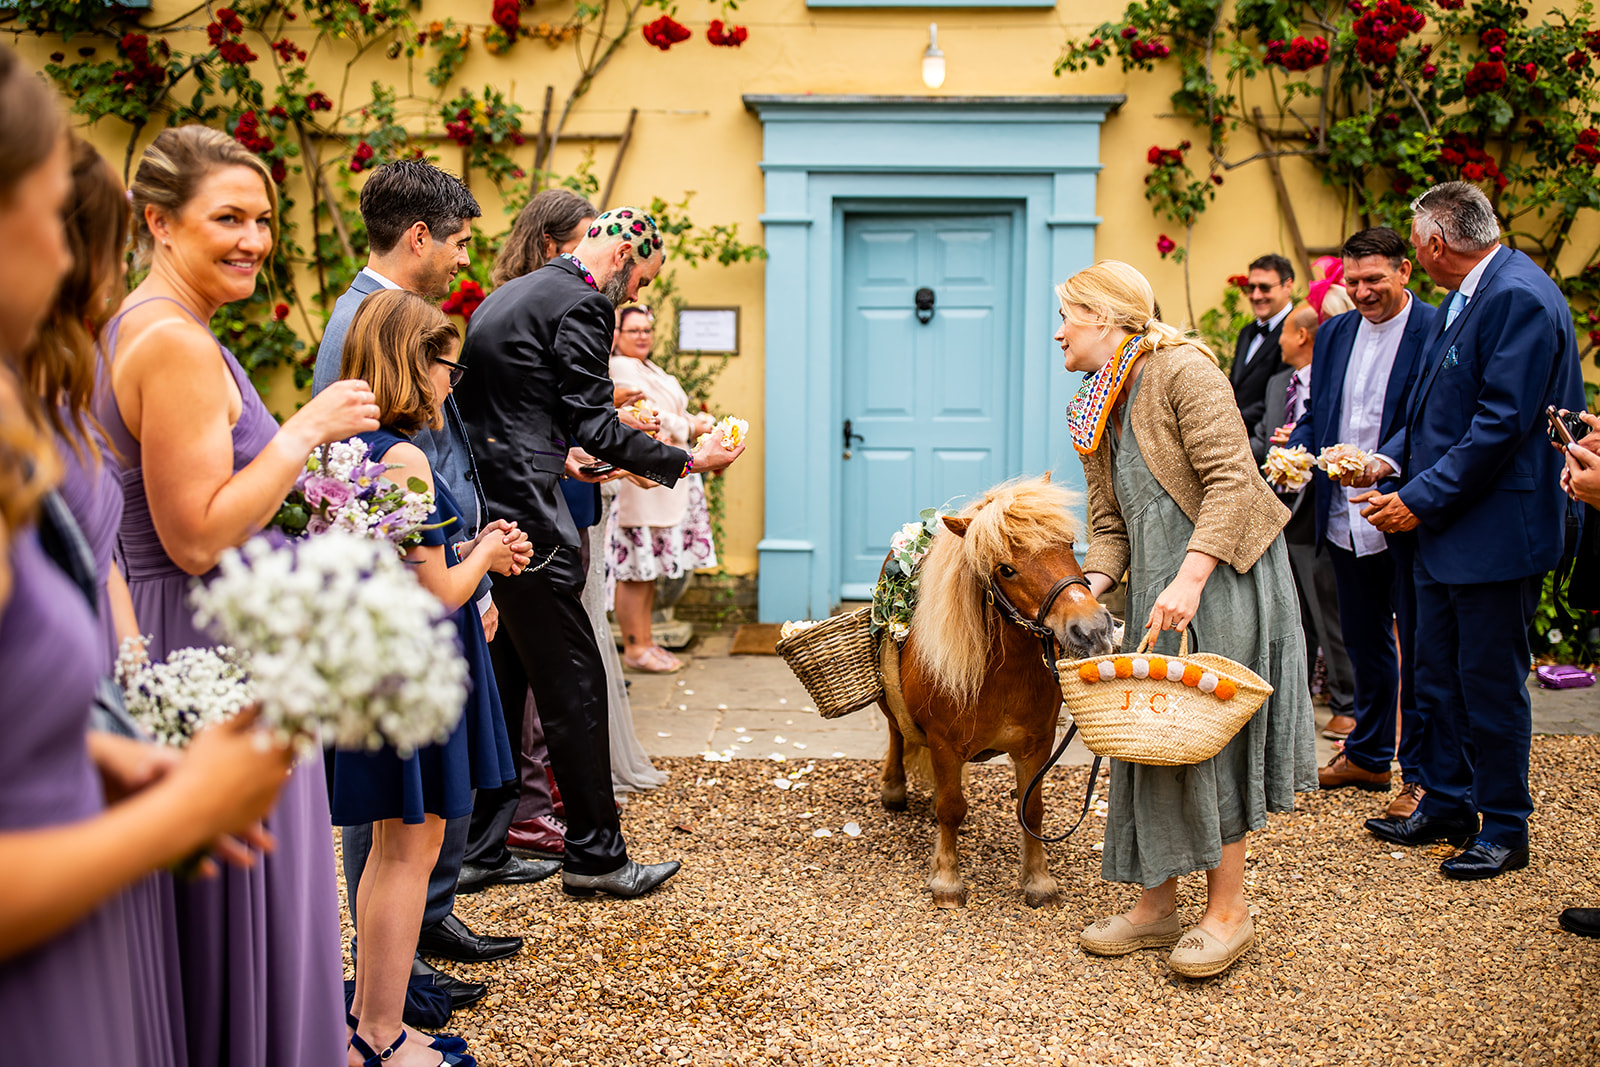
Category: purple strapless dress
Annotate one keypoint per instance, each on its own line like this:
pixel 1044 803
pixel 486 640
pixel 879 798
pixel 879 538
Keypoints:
pixel 263 978
pixel 67 1000
pixel 93 493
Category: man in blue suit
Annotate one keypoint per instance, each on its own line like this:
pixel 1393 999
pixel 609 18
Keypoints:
pixel 1480 486
pixel 419 228
pixel 1361 379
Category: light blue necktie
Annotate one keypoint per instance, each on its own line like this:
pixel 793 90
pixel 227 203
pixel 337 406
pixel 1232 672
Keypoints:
pixel 1457 302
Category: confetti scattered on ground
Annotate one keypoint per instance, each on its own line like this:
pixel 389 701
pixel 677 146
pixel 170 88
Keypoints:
pixel 785 941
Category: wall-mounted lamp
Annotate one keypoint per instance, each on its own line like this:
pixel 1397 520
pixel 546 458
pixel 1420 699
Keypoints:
pixel 933 59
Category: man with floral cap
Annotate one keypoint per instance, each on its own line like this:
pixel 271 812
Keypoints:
pixel 537 385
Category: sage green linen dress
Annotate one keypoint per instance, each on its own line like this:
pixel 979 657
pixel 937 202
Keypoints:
pixel 1170 821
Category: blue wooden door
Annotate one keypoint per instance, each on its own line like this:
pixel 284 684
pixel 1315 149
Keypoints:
pixel 928 400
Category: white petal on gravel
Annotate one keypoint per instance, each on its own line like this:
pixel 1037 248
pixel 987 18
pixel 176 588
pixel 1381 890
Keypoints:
pixel 824 832
pixel 746 739
pixel 783 783
pixel 777 757
pixel 838 755
pixel 722 707
pixel 852 829
pixel 1397 855
pixel 783 700
pixel 662 733
pixel 1098 846
pixel 778 740
pixel 683 707
pixel 681 682
pixel 688 692
pixel 799 744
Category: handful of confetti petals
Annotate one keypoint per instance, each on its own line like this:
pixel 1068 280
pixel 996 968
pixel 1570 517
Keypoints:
pixel 643 409
pixel 732 430
pixel 1289 468
pixel 1342 459
pixel 789 629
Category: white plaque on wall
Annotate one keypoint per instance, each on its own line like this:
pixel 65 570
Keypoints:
pixel 708 330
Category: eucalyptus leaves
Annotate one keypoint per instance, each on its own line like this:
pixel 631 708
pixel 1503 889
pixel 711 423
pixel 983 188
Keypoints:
pixel 894 600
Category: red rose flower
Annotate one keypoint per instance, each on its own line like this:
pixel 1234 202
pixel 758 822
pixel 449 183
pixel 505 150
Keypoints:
pixel 280 312
pixel 1298 54
pixel 1217 178
pixel 318 101
pixel 726 37
pixel 1238 281
pixel 230 20
pixel 361 157
pixel 287 51
pixel 1492 37
pixel 506 16
pixel 1578 61
pixel 1485 77
pixel 236 52
pixel 464 301
pixel 1530 72
pixel 665 32
pixel 1165 245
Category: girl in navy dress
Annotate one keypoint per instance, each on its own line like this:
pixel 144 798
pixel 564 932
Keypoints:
pixel 405 348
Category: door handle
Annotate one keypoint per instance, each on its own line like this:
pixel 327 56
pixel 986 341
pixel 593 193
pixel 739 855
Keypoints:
pixel 850 435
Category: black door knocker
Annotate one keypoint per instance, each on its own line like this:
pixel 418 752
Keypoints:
pixel 924 300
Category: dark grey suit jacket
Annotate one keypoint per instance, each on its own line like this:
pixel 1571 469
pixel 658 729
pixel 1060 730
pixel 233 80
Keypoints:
pixel 1275 399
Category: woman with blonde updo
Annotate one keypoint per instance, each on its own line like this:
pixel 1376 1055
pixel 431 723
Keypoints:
pixel 1173 493
pixel 204 467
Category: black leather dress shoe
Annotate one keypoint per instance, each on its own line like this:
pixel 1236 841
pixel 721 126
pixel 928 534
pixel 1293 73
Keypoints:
pixel 1585 922
pixel 1484 859
pixel 452 939
pixel 1420 829
pixel 630 880
pixel 514 871
pixel 460 992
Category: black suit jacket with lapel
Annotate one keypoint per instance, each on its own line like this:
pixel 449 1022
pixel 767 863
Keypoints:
pixel 538 383
pixel 1250 379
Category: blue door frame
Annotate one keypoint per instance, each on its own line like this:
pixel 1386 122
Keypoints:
pixel 824 157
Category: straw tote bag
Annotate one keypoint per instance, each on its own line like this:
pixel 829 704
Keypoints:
pixel 1169 711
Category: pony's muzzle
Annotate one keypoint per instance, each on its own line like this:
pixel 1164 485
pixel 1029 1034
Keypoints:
pixel 1088 635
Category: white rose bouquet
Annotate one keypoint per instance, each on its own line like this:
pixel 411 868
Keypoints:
pixel 345 647
pixel 194 688
pixel 343 488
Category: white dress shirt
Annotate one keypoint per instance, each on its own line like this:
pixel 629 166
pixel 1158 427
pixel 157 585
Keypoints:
pixel 1469 284
pixel 1366 381
pixel 1267 326
pixel 385 282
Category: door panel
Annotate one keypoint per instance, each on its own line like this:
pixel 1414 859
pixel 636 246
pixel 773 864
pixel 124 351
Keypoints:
pixel 929 401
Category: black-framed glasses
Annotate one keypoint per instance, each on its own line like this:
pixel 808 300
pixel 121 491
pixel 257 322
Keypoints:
pixel 1261 287
pixel 457 370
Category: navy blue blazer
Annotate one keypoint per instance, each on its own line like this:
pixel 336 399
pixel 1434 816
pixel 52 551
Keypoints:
pixel 1477 467
pixel 1330 361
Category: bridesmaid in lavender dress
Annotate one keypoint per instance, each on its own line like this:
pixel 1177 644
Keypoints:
pixel 65 977
pixel 205 466
pixel 62 367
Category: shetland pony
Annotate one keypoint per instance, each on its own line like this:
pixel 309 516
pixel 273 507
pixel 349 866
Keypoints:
pixel 975 682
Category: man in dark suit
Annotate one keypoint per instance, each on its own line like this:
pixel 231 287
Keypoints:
pixel 1270 288
pixel 1287 397
pixel 419 227
pixel 538 385
pixel 1366 364
pixel 1480 486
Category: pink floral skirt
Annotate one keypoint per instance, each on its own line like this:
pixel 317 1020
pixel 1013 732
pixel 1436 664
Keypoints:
pixel 645 553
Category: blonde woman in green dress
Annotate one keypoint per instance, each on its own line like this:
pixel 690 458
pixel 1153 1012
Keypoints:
pixel 1176 503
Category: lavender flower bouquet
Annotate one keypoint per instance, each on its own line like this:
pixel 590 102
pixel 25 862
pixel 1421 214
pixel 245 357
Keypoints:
pixel 345 647
pixel 344 488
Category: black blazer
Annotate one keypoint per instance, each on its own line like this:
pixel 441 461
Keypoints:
pixel 538 383
pixel 1250 380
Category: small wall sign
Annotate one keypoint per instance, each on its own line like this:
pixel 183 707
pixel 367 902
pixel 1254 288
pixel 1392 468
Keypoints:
pixel 708 330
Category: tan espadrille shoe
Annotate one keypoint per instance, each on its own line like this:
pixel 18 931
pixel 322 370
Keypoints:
pixel 1117 936
pixel 1200 955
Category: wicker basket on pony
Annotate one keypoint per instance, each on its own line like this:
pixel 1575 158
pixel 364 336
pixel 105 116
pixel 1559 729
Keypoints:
pixel 837 661
pixel 1164 710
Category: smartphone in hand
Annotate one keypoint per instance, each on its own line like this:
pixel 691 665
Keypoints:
pixel 596 469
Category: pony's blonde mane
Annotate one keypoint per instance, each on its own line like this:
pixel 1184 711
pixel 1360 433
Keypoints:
pixel 1016 518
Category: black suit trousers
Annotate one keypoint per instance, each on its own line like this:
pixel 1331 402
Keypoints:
pixel 547 644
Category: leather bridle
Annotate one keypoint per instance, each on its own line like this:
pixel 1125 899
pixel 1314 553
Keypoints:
pixel 1047 638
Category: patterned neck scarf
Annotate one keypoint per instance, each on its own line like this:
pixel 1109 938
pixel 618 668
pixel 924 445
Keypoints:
pixel 576 262
pixel 1091 407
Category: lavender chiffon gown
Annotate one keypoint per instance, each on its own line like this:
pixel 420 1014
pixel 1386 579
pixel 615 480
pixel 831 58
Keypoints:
pixel 93 493
pixel 67 1000
pixel 263 982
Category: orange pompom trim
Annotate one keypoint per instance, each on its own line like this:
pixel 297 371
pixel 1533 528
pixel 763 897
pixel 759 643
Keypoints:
pixel 1225 690
pixel 1124 666
pixel 1089 672
pixel 1158 668
pixel 1191 675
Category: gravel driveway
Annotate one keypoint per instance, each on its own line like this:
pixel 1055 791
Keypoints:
pixel 778 946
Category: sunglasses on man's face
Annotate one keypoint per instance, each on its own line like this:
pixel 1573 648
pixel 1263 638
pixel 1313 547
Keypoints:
pixel 456 370
pixel 1261 287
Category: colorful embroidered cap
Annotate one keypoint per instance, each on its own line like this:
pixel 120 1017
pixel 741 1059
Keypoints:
pixel 630 224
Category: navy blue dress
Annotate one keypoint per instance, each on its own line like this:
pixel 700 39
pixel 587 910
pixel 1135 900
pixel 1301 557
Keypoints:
pixel 437 780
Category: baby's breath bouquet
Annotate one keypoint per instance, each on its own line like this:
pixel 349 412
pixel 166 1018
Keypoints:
pixel 176 699
pixel 345 647
pixel 343 488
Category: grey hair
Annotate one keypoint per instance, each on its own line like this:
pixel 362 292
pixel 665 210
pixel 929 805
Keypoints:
pixel 1461 212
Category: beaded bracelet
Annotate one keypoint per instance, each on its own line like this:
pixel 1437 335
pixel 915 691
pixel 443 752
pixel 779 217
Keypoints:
pixel 688 465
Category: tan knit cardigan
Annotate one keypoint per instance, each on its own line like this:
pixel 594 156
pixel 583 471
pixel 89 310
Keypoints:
pixel 1194 442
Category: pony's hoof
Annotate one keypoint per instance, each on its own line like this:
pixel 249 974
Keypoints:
pixel 893 800
pixel 1038 898
pixel 949 898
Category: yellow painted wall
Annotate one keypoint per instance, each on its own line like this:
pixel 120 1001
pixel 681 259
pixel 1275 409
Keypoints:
pixel 694 134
